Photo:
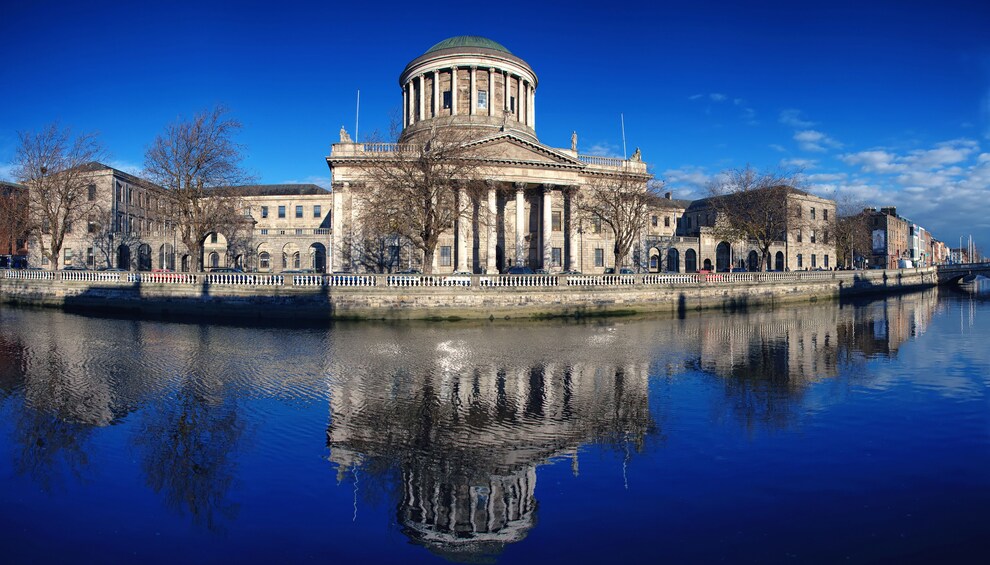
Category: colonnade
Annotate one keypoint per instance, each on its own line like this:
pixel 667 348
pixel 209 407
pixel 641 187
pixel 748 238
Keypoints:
pixel 416 108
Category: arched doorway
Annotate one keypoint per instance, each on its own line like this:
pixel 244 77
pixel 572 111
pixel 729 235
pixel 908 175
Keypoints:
pixel 290 256
pixel 144 257
pixel 318 257
pixel 214 260
pixel 673 260
pixel 723 257
pixel 753 261
pixel 778 263
pixel 124 257
pixel 690 261
pixel 185 263
pixel 707 265
pixel 166 257
pixel 654 260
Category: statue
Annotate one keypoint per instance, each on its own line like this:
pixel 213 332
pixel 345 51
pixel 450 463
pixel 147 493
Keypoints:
pixel 344 137
pixel 637 155
pixel 574 141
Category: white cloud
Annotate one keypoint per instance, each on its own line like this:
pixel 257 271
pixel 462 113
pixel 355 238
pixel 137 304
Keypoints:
pixel 777 147
pixel 792 117
pixel 873 161
pixel 717 97
pixel 603 149
pixel 695 96
pixel 687 182
pixel 812 140
pixel 798 163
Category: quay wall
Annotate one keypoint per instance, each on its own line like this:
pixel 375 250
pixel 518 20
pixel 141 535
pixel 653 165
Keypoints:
pixel 324 297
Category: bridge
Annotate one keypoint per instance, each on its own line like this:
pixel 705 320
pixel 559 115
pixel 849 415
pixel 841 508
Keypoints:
pixel 951 274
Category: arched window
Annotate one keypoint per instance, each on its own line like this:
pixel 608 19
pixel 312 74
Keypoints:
pixel 214 259
pixel 264 260
pixel 295 260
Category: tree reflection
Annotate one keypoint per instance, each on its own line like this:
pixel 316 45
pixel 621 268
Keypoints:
pixel 189 441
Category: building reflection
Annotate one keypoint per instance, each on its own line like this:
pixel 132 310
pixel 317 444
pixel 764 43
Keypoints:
pixel 461 426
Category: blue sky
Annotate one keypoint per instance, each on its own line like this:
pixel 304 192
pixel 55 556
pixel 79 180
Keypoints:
pixel 882 103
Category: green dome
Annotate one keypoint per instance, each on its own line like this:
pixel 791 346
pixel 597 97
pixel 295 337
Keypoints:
pixel 468 41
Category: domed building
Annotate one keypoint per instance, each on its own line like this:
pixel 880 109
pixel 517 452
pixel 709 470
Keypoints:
pixel 518 210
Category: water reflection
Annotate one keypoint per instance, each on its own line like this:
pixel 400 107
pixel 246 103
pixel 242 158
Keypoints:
pixel 448 424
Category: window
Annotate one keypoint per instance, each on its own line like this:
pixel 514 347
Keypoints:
pixel 814 260
pixel 800 259
pixel 666 221
pixel 44 259
pixel 599 257
pixel 68 256
pixel 812 213
pixel 92 192
pixel 596 225
pixel 90 258
pixel 447 99
pixel 799 211
pixel 512 103
pixel 825 214
pixel 445 256
pixel 299 211
pixel 556 255
pixel 295 260
pixel 812 237
pixel 825 258
pixel 91 226
pixel 317 211
pixel 800 238
pixel 555 221
pixel 265 260
pixel 213 238
pixel 264 231
pixel 299 231
pixel 214 260
pixel 264 211
pixel 482 99
pixel 654 221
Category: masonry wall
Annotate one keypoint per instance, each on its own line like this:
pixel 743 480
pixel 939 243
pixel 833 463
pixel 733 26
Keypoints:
pixel 290 301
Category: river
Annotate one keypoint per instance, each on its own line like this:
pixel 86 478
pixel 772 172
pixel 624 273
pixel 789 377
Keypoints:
pixel 855 431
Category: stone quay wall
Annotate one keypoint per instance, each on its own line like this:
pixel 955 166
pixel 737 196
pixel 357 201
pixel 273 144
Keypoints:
pixel 394 297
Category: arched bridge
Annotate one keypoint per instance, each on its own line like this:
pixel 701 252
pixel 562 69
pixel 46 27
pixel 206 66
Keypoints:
pixel 948 274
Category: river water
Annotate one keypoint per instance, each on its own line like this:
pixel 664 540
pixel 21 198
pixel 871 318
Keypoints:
pixel 819 433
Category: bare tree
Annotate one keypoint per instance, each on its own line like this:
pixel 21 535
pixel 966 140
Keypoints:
pixel 105 236
pixel 754 206
pixel 419 190
pixel 197 161
pixel 621 202
pixel 53 165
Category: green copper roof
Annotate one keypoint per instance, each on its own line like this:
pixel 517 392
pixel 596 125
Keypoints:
pixel 468 41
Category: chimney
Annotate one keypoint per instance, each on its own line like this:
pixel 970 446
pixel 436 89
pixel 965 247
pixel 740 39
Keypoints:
pixel 667 195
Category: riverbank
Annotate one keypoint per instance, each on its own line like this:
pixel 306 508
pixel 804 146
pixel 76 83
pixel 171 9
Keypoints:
pixel 395 297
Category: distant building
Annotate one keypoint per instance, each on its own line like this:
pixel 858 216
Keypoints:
pixel 890 235
pixel 13 225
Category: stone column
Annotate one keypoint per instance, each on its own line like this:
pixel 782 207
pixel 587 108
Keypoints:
pixel 336 231
pixel 547 228
pixel 490 264
pixel 519 88
pixel 436 93
pixel 422 98
pixel 505 87
pixel 405 104
pixel 520 223
pixel 474 91
pixel 453 91
pixel 532 108
pixel 574 250
pixel 462 231
pixel 491 92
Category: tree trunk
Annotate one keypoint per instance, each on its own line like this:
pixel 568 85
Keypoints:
pixel 428 254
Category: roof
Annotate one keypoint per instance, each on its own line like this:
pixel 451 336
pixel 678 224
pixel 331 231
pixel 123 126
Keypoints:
pixel 278 189
pixel 468 41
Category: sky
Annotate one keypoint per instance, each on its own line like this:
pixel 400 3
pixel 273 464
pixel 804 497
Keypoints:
pixel 871 103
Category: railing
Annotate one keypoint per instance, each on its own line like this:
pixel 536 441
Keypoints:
pixel 605 161
pixel 390 147
pixel 415 280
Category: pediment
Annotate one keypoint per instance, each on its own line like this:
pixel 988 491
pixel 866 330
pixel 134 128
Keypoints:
pixel 508 147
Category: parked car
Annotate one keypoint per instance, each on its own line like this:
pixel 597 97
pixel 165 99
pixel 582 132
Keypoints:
pixel 74 268
pixel 461 278
pixel 570 272
pixel 519 270
pixel 298 272
pixel 226 270
pixel 626 271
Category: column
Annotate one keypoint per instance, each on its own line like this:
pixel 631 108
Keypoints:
pixel 525 98
pixel 519 87
pixel 405 104
pixel 505 86
pixel 422 97
pixel 436 93
pixel 491 92
pixel 336 231
pixel 532 108
pixel 474 91
pixel 520 224
pixel 574 249
pixel 547 228
pixel 453 91
pixel 462 232
pixel 490 264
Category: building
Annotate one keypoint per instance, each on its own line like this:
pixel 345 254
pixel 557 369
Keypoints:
pixel 526 215
pixel 890 233
pixel 13 225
